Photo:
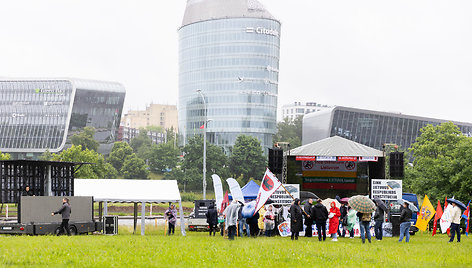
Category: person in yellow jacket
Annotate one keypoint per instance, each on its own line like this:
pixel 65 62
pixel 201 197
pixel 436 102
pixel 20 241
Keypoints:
pixel 260 222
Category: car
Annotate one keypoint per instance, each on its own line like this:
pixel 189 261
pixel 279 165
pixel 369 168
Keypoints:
pixel 395 210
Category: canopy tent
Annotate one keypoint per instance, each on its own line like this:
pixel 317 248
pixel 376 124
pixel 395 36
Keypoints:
pixel 131 191
pixel 250 191
pixel 335 146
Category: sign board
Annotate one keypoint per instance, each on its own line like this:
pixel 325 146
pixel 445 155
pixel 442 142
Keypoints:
pixel 280 197
pixel 386 189
pixel 339 166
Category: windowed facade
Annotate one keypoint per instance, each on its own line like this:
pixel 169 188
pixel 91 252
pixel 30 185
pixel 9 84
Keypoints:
pixel 39 115
pixel 370 128
pixel 234 62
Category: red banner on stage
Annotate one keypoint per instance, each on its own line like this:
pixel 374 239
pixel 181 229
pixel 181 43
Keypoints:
pixel 305 158
pixel 347 158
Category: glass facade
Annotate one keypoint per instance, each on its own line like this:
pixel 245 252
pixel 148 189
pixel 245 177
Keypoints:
pixel 99 109
pixel 34 115
pixel 374 128
pixel 39 115
pixel 235 64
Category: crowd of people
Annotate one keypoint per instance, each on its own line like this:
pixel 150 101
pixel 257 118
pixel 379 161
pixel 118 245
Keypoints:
pixel 264 221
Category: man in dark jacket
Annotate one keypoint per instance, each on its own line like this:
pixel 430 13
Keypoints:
pixel 65 211
pixel 296 218
pixel 308 219
pixel 379 219
pixel 212 219
pixel 319 214
pixel 405 223
pixel 27 191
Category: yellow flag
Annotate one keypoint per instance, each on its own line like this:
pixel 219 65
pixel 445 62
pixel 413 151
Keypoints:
pixel 426 214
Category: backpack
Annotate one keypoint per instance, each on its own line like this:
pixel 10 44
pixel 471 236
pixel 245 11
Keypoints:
pixel 365 217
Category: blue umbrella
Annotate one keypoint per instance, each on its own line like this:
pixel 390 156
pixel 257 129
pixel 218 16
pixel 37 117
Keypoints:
pixel 458 203
pixel 411 206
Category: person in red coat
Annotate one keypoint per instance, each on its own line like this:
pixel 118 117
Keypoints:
pixel 334 214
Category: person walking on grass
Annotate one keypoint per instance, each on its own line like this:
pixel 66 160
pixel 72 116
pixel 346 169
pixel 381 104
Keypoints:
pixel 171 216
pixel 351 221
pixel 65 212
pixel 455 222
pixel 212 219
pixel 231 214
pixel 405 223
pixel 333 216
pixel 364 225
pixel 253 225
pixel 296 218
pixel 308 219
pixel 319 214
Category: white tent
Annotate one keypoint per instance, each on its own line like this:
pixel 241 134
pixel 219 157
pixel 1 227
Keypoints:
pixel 131 191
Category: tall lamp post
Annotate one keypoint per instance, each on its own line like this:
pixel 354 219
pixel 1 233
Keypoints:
pixel 204 142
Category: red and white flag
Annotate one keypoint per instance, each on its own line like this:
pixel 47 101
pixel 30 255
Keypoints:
pixel 269 185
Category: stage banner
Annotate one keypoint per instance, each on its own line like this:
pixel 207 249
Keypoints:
pixel 344 169
pixel 386 189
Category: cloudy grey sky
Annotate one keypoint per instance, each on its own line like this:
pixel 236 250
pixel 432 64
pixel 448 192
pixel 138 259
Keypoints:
pixel 413 57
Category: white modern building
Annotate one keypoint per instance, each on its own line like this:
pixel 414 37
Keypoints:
pixel 295 109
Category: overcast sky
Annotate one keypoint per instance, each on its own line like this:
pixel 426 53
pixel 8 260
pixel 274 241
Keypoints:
pixel 413 57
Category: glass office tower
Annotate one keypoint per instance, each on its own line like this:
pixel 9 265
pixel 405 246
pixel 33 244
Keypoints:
pixel 229 52
pixel 371 128
pixel 40 114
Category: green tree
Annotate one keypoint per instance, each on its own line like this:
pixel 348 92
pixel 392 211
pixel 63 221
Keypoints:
pixel 96 170
pixel 4 156
pixel 247 159
pixel 141 140
pixel 118 154
pixel 216 160
pixel 46 156
pixel 441 165
pixel 85 139
pixel 141 144
pixel 134 168
pixel 191 179
pixel 290 131
pixel 163 156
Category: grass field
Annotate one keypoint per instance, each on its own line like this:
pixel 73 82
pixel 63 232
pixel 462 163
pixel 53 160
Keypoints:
pixel 199 250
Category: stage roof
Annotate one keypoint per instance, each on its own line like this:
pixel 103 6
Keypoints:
pixel 335 146
pixel 120 190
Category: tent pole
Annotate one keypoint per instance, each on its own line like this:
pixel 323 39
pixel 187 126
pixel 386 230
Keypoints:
pixel 182 220
pixel 135 217
pixel 105 208
pixel 143 217
pixel 100 211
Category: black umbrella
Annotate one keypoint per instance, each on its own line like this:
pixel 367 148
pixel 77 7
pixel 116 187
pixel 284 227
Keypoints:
pixel 458 203
pixel 381 204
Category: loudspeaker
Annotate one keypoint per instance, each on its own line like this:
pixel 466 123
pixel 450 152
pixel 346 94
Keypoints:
pixel 377 169
pixel 276 160
pixel 110 225
pixel 396 165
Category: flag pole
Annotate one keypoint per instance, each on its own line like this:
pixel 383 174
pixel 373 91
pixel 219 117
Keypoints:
pixel 292 198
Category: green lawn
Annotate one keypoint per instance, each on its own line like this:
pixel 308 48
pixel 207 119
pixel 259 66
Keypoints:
pixel 199 250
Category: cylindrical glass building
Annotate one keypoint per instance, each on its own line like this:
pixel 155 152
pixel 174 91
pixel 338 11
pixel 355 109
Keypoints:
pixel 228 71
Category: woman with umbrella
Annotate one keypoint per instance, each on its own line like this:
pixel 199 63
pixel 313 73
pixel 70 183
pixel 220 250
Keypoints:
pixel 296 218
pixel 333 216
pixel 405 222
pixel 365 207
